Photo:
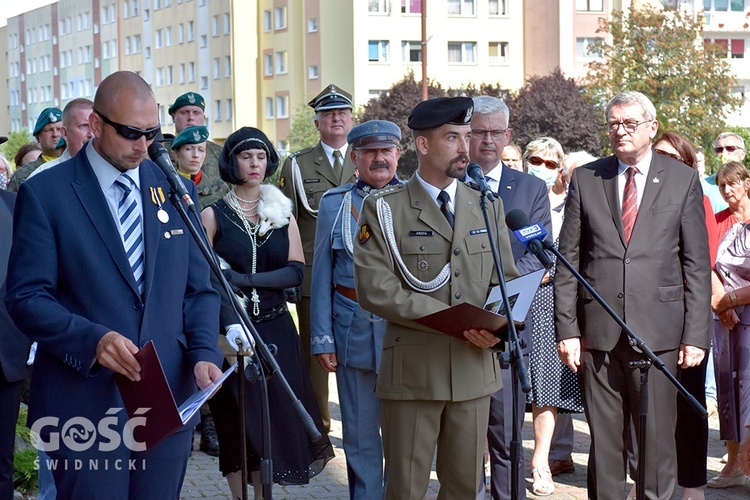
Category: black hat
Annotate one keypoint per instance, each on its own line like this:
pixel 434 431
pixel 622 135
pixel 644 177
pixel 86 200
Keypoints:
pixel 241 140
pixel 441 110
pixel 332 97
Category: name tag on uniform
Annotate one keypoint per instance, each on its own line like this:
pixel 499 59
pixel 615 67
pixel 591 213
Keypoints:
pixel 421 233
pixel 478 231
pixel 308 181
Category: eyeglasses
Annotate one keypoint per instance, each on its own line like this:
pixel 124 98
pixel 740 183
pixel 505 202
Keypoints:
pixel 630 126
pixel 128 132
pixel 671 155
pixel 536 161
pixel 730 149
pixel 495 134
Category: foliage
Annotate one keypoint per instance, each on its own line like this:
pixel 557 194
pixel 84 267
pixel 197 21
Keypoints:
pixel 395 106
pixel 659 53
pixel 15 141
pixel 555 106
pixel 24 458
pixel 303 133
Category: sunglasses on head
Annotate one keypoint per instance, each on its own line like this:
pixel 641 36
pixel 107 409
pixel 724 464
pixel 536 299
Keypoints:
pixel 671 155
pixel 536 161
pixel 128 132
pixel 730 149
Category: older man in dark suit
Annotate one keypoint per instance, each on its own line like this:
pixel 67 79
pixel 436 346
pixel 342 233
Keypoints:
pixel 14 349
pixel 635 229
pixel 100 266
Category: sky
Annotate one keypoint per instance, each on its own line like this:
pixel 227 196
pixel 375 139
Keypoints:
pixel 10 8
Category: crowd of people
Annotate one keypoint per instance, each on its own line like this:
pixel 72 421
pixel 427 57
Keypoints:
pixel 101 264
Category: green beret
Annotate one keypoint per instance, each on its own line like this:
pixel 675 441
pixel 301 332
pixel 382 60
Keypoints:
pixel 61 143
pixel 190 135
pixel 188 99
pixel 47 116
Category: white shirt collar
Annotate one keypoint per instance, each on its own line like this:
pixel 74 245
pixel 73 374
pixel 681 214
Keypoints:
pixel 105 172
pixel 434 192
pixel 329 152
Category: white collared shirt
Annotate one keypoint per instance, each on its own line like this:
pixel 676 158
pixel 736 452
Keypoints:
pixel 329 153
pixel 434 192
pixel 493 177
pixel 640 178
pixel 107 174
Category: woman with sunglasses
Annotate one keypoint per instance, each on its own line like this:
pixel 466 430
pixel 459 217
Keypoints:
pixel 189 149
pixel 554 387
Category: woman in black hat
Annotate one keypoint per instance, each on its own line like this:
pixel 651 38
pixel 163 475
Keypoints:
pixel 253 230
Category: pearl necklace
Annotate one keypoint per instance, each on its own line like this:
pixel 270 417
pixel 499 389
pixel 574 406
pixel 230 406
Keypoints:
pixel 252 231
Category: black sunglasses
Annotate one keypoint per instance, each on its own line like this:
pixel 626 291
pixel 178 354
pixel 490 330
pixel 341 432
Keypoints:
pixel 128 132
pixel 536 161
pixel 730 149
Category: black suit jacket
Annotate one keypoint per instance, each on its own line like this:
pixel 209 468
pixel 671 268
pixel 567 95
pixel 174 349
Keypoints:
pixel 14 345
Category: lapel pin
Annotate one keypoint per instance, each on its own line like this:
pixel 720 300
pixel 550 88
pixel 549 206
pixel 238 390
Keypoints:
pixel 656 180
pixel 508 188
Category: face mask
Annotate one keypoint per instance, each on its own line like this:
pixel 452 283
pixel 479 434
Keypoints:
pixel 547 175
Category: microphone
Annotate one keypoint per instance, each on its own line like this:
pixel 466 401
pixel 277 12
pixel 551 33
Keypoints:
pixel 530 235
pixel 158 154
pixel 476 174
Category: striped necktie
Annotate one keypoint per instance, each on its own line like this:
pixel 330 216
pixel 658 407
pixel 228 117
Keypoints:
pixel 130 227
pixel 629 203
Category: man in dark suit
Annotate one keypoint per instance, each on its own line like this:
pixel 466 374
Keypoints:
pixel 14 350
pixel 517 190
pixel 305 177
pixel 635 229
pixel 91 304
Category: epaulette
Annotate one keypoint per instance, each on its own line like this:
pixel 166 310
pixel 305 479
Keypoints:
pixel 301 152
pixel 338 190
pixel 388 190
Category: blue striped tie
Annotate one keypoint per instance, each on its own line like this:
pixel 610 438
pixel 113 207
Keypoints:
pixel 130 227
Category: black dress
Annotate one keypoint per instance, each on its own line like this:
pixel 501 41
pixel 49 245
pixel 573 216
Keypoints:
pixel 295 457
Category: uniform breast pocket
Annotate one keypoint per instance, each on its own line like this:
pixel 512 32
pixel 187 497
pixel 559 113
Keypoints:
pixel 480 257
pixel 315 191
pixel 424 256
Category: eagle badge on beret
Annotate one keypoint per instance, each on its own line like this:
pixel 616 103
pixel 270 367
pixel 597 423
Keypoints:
pixel 191 98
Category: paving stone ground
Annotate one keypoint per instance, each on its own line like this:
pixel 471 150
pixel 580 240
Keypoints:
pixel 203 479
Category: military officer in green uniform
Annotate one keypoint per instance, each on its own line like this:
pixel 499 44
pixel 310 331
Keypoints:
pixel 187 111
pixel 305 176
pixel 189 150
pixel 47 132
pixel 422 248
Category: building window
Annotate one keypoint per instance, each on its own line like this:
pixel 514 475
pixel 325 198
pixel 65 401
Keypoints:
pixel 411 6
pixel 498 52
pixel 737 47
pixel 190 31
pixel 182 74
pixel 411 51
pixel 268 64
pixel 269 108
pixel 267 26
pixel 227 66
pixel 147 53
pixel 461 7
pixel 498 7
pixel 168 36
pixel 136 44
pixel 180 33
pixel 378 50
pixel 281 62
pixel 312 72
pixel 135 8
pixel 227 23
pixel 191 72
pixel 592 5
pixel 204 82
pixel 169 75
pixel 217 110
pixel 282 106
pixel 215 25
pixel 585 48
pixel 462 52
pixel 159 77
pixel 279 18
pixel 377 6
pixel 204 41
pixel 229 110
pixel 159 38
pixel 125 10
pixel 217 68
pixel 312 25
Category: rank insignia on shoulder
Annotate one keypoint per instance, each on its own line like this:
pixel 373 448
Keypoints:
pixel 364 234
pixel 282 183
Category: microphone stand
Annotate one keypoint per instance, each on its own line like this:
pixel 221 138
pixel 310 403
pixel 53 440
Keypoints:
pixel 263 362
pixel 517 368
pixel 649 359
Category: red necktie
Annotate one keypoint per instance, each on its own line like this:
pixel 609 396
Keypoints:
pixel 629 203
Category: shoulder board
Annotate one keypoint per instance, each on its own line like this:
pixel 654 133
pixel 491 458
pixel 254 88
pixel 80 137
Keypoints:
pixel 339 189
pixel 388 190
pixel 301 152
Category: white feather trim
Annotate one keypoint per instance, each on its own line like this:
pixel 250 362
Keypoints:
pixel 274 209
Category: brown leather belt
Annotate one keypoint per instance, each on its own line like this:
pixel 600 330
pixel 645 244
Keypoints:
pixel 349 293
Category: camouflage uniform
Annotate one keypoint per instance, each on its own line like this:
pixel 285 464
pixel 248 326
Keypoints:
pixel 23 173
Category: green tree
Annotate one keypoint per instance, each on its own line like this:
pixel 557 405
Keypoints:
pixel 303 133
pixel 395 106
pixel 555 106
pixel 15 141
pixel 660 53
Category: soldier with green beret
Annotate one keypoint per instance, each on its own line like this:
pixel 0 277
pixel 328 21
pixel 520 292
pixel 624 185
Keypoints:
pixel 47 132
pixel 305 176
pixel 189 150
